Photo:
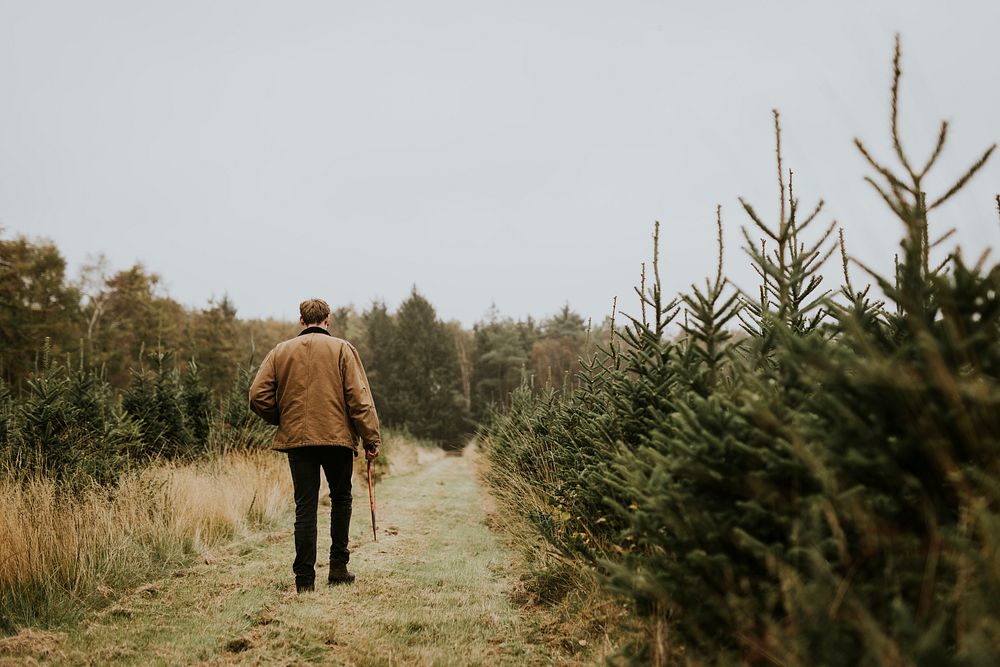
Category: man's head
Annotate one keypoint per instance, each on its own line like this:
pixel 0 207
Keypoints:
pixel 314 313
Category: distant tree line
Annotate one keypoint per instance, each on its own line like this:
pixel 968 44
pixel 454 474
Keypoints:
pixel 162 360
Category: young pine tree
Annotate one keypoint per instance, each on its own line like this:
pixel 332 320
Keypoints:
pixel 70 427
pixel 154 398
pixel 197 399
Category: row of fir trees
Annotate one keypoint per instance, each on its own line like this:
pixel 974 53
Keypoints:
pixel 789 476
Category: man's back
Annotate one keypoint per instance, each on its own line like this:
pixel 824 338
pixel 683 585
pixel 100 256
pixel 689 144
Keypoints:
pixel 313 387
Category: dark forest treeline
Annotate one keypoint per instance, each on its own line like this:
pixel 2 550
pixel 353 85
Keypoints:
pixel 168 365
pixel 114 319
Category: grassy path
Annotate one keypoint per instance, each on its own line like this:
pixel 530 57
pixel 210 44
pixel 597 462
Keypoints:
pixel 432 591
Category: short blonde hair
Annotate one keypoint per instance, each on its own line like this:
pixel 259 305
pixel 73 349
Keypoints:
pixel 314 311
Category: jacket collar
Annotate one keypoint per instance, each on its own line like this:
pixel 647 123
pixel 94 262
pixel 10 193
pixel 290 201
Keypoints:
pixel 319 330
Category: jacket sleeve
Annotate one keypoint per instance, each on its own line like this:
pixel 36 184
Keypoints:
pixel 263 392
pixel 358 396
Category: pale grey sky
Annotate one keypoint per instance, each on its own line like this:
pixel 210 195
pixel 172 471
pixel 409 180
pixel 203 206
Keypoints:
pixel 506 151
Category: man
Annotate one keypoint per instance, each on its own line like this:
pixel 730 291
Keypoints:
pixel 314 389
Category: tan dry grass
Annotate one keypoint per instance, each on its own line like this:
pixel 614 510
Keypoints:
pixel 61 553
pixel 568 590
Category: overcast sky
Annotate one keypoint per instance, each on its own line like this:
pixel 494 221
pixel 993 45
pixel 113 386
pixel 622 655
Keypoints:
pixel 506 151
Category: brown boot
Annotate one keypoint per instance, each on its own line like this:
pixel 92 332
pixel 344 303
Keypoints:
pixel 339 574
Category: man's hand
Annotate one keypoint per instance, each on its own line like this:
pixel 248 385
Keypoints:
pixel 371 452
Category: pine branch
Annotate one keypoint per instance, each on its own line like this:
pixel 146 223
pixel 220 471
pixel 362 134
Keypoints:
pixel 944 237
pixel 642 293
pixel 886 173
pixel 960 183
pixel 656 255
pixel 614 311
pixel 888 200
pixel 843 262
pixel 793 209
pixel 981 262
pixel 756 220
pixel 777 152
pixel 925 233
pixel 897 74
pixel 887 287
pixel 942 135
pixel 718 225
pixel 944 263
pixel 815 302
pixel 812 216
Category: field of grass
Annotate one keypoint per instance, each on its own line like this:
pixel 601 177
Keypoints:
pixel 434 590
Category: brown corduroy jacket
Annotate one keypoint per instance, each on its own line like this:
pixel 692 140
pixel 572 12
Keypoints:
pixel 314 389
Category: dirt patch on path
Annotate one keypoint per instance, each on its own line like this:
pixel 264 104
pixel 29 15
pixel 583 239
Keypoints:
pixel 29 646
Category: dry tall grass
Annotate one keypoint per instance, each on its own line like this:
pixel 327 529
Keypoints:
pixel 60 554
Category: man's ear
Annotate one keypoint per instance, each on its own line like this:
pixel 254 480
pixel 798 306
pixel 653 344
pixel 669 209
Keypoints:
pixel 302 322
